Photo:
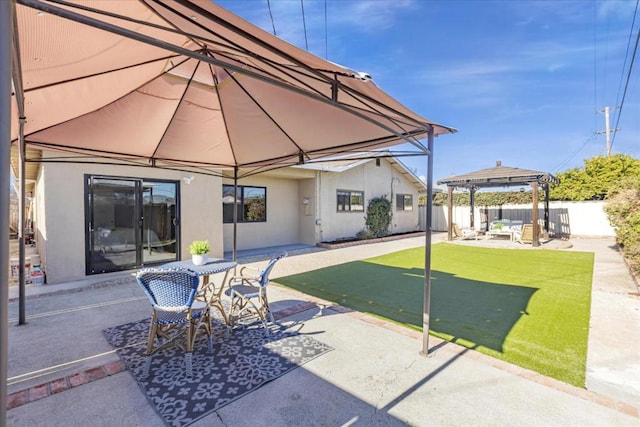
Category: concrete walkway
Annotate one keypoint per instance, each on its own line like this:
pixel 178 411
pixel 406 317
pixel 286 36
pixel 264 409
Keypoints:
pixel 62 371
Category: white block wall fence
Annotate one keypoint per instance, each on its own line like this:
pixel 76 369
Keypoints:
pixel 586 219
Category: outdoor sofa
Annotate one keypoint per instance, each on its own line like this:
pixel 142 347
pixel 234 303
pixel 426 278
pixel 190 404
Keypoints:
pixel 505 227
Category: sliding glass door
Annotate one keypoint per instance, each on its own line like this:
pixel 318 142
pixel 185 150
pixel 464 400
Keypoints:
pixel 159 222
pixel 130 222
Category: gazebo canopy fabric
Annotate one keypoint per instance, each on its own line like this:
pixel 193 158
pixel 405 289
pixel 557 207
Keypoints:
pixel 186 83
pixel 498 176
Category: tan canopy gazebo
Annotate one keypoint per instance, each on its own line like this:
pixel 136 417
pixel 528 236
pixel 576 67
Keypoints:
pixel 503 176
pixel 183 85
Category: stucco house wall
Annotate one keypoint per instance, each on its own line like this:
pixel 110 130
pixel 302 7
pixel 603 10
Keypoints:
pixel 301 208
pixel 375 181
pixel 307 206
pixel 283 212
pixel 61 233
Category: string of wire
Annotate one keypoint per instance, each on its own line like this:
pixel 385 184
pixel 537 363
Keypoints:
pixel 626 86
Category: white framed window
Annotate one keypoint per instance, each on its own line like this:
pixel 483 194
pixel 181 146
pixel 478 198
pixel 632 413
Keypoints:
pixel 251 203
pixel 350 201
pixel 404 202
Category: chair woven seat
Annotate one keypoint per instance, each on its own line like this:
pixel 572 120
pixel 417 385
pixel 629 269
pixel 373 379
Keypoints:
pixel 247 290
pixel 177 315
pixel 172 294
pixel 249 294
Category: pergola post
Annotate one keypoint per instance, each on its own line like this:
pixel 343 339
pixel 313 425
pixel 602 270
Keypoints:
pixel 450 212
pixel 534 216
pixel 472 200
pixel 546 210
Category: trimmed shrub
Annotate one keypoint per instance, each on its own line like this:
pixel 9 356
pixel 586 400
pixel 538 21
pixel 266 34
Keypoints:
pixel 364 234
pixel 378 216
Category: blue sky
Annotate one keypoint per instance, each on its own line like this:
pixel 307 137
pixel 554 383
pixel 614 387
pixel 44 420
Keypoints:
pixel 522 81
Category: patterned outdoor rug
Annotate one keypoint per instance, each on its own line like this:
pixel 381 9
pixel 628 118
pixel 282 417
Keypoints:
pixel 240 362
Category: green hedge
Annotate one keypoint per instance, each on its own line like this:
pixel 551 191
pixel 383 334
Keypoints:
pixel 494 198
pixel 623 210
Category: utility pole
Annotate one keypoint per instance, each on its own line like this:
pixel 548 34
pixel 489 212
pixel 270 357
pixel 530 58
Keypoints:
pixel 608 129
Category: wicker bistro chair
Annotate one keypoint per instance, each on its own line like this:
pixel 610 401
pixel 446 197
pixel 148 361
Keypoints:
pixel 248 293
pixel 176 313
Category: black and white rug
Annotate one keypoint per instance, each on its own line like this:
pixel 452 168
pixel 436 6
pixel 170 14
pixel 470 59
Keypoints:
pixel 240 362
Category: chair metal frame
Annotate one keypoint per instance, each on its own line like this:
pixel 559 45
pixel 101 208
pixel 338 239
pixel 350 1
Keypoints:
pixel 172 294
pixel 248 291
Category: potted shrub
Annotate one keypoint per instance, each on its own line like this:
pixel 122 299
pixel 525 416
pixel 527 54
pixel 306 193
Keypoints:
pixel 199 250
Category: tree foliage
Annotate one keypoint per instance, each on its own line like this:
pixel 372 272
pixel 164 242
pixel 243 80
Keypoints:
pixel 623 210
pixel 378 216
pixel 593 181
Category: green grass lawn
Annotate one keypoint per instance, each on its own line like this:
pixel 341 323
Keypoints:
pixel 527 307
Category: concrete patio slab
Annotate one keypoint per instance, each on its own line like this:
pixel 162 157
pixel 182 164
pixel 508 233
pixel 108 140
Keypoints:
pixel 374 376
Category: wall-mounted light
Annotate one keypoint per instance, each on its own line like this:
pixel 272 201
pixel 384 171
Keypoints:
pixel 305 201
pixel 188 179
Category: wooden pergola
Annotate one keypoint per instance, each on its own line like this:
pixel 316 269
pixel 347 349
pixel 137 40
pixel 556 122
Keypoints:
pixel 503 176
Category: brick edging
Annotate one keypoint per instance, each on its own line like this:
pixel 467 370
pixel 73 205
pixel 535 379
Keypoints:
pixel 59 385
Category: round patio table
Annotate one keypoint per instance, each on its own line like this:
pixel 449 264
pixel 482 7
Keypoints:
pixel 209 291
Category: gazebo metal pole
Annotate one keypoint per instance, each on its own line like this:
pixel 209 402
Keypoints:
pixel 19 96
pixel 450 212
pixel 235 214
pixel 6 31
pixel 427 249
pixel 534 216
pixel 21 226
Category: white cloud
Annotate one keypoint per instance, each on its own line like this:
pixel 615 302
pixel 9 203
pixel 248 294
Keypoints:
pixel 615 8
pixel 370 15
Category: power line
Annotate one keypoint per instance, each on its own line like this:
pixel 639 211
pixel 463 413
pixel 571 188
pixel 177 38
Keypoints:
pixel 271 15
pixel 626 54
pixel 304 24
pixel 326 37
pixel 575 153
pixel 595 66
pixel 626 86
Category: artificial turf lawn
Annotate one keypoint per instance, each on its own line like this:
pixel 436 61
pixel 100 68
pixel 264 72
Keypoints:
pixel 527 307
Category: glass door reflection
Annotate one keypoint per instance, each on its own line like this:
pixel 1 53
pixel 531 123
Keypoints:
pixel 159 222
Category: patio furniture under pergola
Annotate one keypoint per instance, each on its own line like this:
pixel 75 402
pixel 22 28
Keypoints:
pixel 503 176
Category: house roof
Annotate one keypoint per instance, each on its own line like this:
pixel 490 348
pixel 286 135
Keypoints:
pixel 499 176
pixel 32 167
pixel 341 165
